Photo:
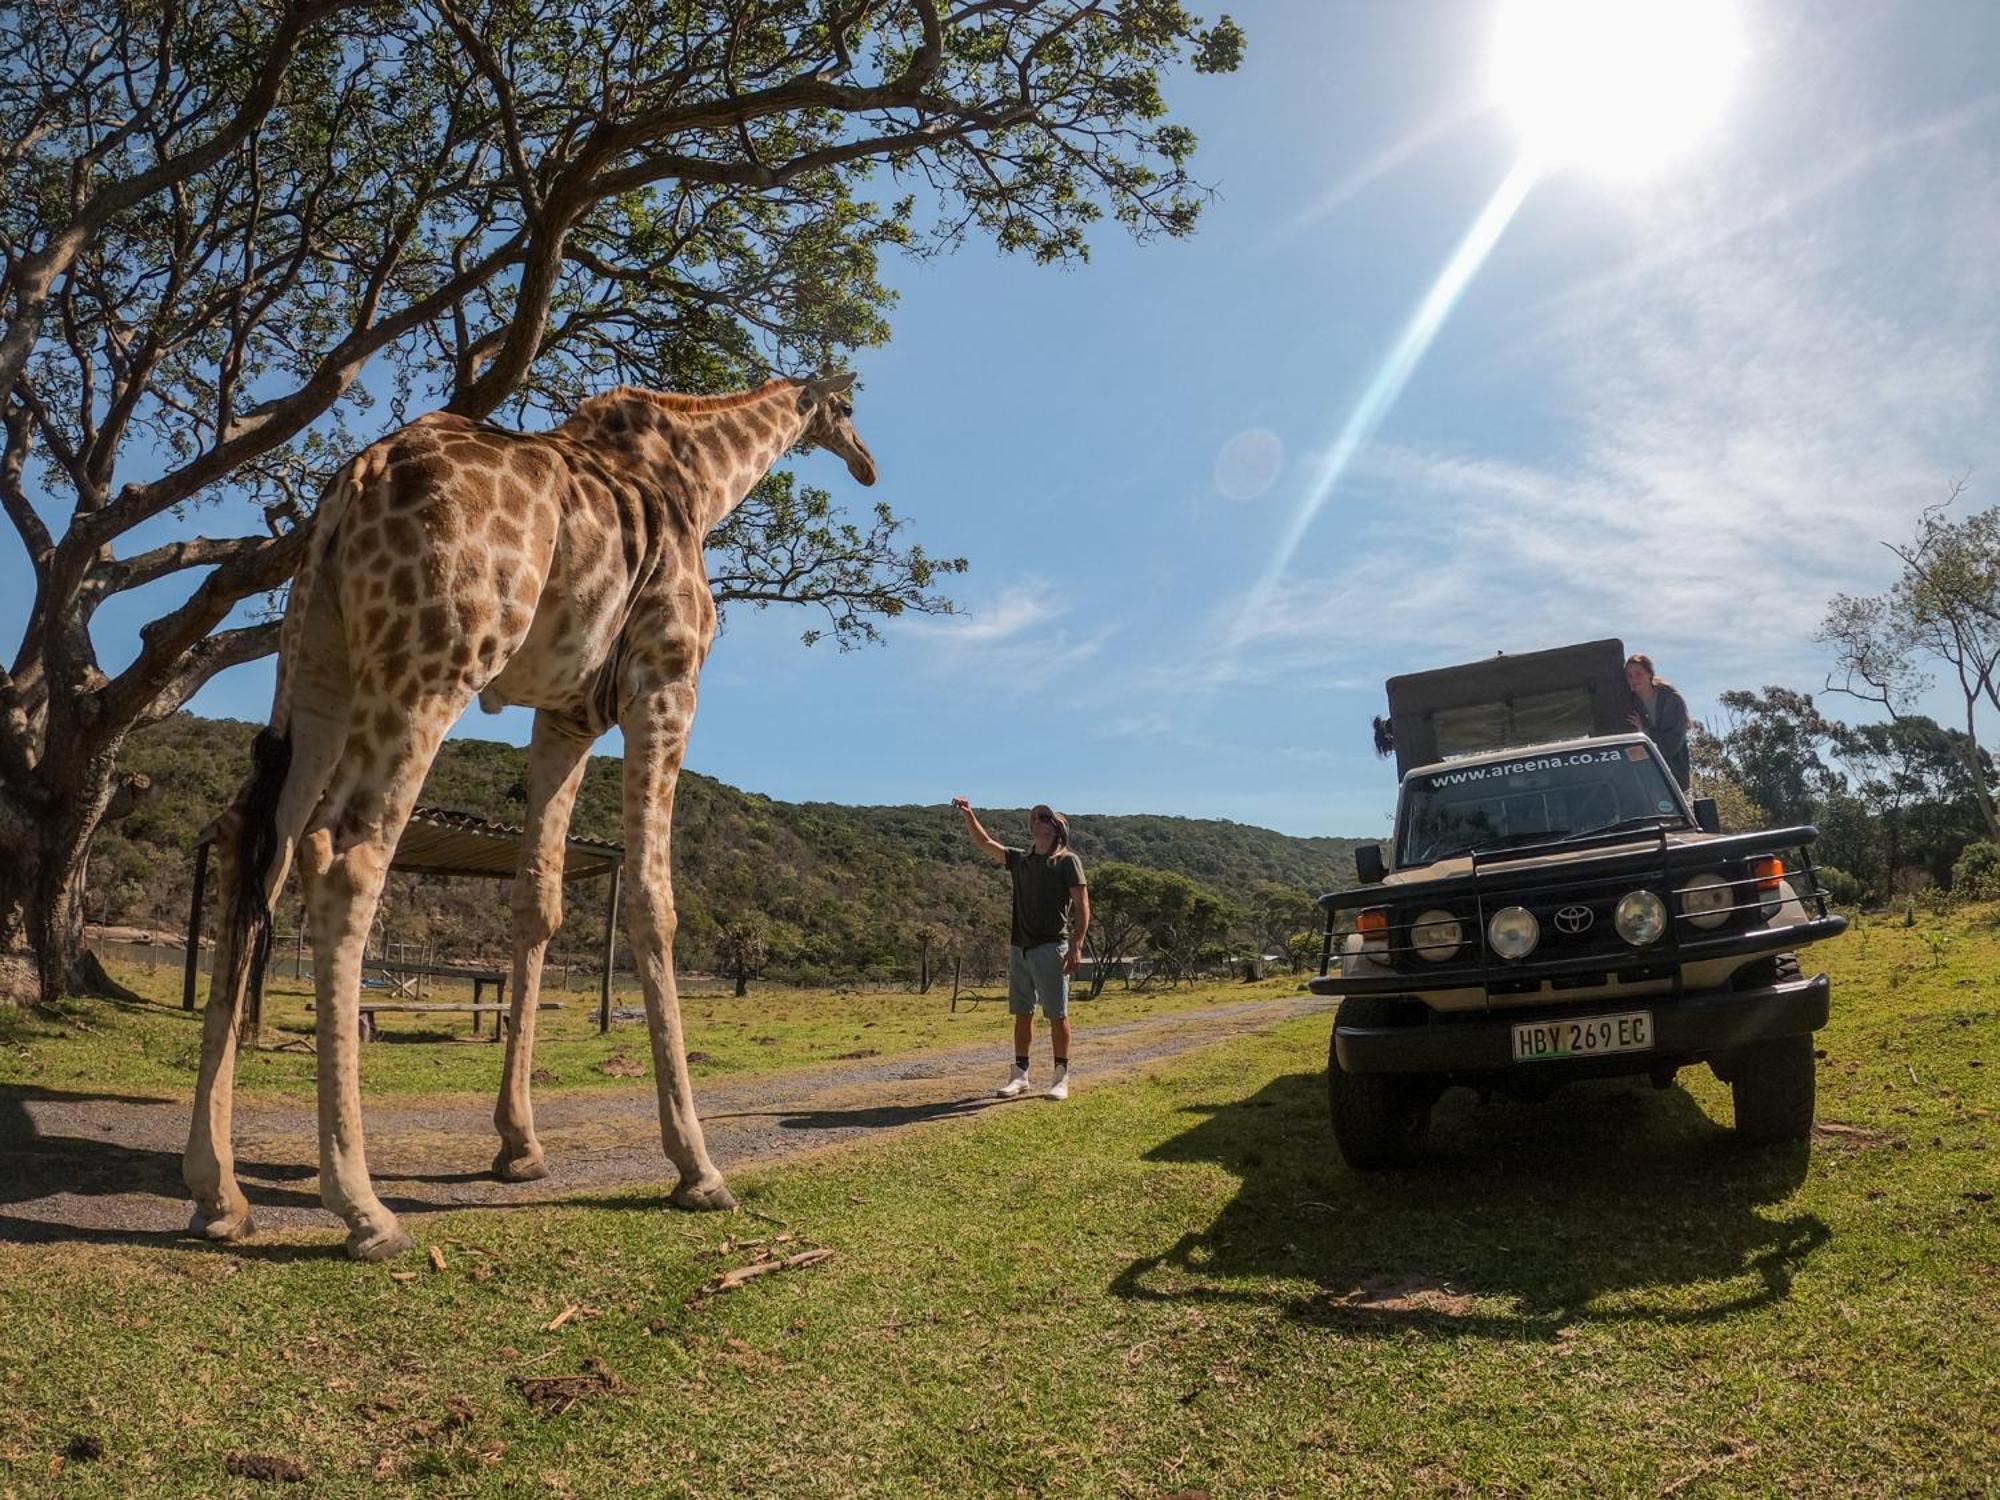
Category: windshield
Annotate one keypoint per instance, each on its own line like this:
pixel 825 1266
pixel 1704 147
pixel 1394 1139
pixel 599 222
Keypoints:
pixel 1529 800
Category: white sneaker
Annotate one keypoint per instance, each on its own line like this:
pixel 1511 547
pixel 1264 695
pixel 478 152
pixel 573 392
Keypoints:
pixel 1060 1088
pixel 1015 1086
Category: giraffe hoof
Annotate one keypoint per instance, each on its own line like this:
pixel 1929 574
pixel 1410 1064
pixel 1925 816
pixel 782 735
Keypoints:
pixel 224 1226
pixel 381 1244
pixel 713 1199
pixel 529 1167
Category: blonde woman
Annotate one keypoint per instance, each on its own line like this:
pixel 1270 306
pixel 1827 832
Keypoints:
pixel 1051 916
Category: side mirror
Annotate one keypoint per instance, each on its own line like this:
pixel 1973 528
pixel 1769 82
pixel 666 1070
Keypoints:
pixel 1368 863
pixel 1707 816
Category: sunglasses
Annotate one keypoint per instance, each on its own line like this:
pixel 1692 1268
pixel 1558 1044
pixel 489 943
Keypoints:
pixel 1042 817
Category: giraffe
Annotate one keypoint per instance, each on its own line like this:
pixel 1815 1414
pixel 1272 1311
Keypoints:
pixel 560 570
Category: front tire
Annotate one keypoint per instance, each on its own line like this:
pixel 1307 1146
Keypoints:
pixel 1773 1085
pixel 1379 1120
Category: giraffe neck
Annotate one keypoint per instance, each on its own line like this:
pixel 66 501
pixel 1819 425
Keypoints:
pixel 742 442
pixel 710 449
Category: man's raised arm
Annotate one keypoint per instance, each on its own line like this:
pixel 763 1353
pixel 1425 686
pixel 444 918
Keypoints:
pixel 995 850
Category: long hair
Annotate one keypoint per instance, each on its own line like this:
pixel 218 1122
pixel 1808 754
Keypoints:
pixel 1056 821
pixel 1644 663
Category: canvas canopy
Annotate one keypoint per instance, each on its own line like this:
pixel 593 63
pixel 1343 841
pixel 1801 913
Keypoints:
pixel 442 841
pixel 1502 701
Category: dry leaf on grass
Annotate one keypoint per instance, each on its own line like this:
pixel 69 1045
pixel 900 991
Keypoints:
pixel 1413 1294
pixel 552 1395
pixel 437 1258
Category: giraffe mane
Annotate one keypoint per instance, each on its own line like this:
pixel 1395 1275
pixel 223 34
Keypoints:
pixel 677 402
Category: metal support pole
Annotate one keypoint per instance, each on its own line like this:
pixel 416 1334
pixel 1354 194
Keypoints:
pixel 610 940
pixel 194 927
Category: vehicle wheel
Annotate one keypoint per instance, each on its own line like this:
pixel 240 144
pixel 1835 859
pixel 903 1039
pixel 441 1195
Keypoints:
pixel 1779 968
pixel 1772 1084
pixel 1379 1120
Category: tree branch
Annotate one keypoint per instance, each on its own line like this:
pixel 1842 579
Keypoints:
pixel 38 272
pixel 173 646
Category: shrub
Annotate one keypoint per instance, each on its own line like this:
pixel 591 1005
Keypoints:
pixel 1976 876
pixel 1841 888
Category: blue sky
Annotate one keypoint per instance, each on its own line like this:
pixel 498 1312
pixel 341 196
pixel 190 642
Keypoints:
pixel 1682 411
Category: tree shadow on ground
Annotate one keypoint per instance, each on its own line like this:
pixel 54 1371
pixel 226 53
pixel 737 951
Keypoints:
pixel 1608 1202
pixel 36 1166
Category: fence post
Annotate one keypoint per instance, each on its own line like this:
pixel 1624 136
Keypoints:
pixel 610 939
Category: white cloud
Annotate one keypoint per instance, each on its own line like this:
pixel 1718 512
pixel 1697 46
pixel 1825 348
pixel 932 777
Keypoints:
pixel 1023 628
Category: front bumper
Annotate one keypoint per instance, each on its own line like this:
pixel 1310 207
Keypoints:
pixel 1685 1028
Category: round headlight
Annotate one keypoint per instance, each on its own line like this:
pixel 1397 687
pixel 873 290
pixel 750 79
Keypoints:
pixel 1641 918
pixel 1706 900
pixel 1436 935
pixel 1513 932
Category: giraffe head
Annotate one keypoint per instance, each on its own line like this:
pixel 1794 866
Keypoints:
pixel 827 405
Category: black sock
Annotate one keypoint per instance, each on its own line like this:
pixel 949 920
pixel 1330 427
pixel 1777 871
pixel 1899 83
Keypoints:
pixel 1062 1062
pixel 1020 1062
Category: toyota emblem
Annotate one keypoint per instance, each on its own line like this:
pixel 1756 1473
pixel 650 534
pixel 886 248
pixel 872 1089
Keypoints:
pixel 1573 919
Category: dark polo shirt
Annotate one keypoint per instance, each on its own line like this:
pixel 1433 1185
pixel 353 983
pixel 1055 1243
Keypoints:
pixel 1042 886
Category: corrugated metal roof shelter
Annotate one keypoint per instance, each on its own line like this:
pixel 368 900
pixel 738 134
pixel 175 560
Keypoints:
pixel 444 841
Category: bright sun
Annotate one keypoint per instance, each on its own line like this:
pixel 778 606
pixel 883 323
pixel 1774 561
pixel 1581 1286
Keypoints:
pixel 1615 86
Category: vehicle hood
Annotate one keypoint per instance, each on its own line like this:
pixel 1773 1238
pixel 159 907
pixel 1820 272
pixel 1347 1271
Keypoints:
pixel 1461 864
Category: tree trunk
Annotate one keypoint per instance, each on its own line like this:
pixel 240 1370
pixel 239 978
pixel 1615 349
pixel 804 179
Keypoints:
pixel 46 828
pixel 742 983
pixel 1977 772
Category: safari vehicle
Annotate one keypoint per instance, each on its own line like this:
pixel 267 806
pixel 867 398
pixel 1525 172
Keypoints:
pixel 1555 908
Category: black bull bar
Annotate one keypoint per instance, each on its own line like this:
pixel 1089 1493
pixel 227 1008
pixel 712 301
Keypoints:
pixel 1498 879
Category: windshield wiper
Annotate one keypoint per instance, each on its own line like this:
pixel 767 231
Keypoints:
pixel 1504 841
pixel 1653 819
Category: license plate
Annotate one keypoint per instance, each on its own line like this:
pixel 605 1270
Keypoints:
pixel 1583 1036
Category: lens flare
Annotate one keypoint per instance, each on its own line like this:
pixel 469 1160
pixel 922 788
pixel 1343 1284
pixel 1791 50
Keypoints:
pixel 1395 373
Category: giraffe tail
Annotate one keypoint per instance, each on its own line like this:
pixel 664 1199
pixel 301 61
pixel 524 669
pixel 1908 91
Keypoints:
pixel 249 914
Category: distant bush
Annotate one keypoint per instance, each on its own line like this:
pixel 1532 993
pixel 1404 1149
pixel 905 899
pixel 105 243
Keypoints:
pixel 1841 888
pixel 1976 876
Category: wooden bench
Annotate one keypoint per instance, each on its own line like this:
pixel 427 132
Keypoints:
pixel 407 1007
pixel 405 980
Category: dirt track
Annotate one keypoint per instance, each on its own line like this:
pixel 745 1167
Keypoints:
pixel 95 1167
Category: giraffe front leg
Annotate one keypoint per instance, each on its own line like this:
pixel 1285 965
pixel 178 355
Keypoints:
pixel 656 728
pixel 556 762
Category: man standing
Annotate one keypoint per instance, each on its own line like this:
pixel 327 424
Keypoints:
pixel 1044 947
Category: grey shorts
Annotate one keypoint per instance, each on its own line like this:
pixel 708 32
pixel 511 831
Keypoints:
pixel 1036 974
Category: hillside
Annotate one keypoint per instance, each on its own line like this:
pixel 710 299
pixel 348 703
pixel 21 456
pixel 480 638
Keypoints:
pixel 842 890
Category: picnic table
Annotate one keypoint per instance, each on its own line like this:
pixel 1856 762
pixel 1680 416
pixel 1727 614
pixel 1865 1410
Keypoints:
pixel 477 1008
pixel 405 986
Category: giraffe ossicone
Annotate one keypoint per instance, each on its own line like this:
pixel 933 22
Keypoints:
pixel 455 560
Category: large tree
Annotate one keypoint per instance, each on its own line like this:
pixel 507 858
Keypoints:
pixel 241 238
pixel 1941 614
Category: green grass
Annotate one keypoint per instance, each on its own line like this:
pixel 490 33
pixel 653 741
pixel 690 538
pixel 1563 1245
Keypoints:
pixel 153 1046
pixel 1168 1284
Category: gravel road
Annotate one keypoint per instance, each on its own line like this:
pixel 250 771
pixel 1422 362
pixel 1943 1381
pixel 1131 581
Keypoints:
pixel 104 1167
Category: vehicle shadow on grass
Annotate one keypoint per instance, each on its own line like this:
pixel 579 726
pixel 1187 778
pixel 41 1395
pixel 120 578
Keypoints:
pixel 1609 1202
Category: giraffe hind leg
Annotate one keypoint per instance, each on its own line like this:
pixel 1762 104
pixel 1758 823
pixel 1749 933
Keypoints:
pixel 557 758
pixel 344 862
pixel 293 778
